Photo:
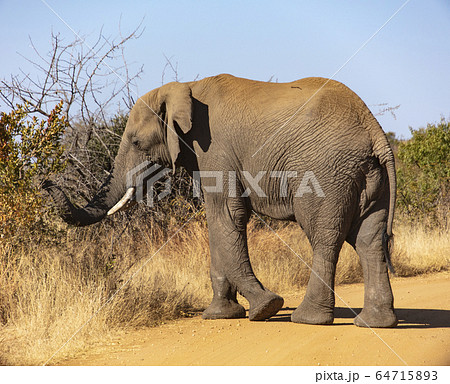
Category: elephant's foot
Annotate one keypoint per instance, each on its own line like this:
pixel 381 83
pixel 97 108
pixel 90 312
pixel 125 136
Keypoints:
pixel 310 313
pixel 265 306
pixel 224 309
pixel 376 318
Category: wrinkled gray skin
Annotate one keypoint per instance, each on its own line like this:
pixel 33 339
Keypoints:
pixel 225 120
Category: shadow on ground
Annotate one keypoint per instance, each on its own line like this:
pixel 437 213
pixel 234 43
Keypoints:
pixel 408 317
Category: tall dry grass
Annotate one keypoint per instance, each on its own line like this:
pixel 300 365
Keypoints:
pixel 50 291
pixel 420 249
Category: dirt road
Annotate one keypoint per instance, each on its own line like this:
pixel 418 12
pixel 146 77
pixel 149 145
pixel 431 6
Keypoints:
pixel 422 337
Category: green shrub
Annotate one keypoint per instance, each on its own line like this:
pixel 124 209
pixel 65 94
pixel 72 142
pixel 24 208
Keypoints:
pixel 424 173
pixel 30 152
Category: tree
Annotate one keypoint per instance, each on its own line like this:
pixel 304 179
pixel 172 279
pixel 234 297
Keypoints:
pixel 94 81
pixel 424 172
pixel 78 74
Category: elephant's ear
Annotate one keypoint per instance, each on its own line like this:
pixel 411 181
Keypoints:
pixel 177 98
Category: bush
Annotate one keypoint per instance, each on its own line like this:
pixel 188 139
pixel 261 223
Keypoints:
pixel 424 173
pixel 30 152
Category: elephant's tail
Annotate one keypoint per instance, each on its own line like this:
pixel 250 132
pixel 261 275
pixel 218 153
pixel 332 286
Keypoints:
pixel 383 151
pixel 390 168
pixel 389 164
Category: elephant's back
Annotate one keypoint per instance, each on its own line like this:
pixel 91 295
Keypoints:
pixel 307 99
pixel 306 89
pixel 311 114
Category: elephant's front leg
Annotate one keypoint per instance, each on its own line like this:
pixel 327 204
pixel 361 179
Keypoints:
pixel 230 266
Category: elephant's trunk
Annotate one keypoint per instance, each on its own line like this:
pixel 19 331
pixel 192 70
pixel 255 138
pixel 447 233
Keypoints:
pixel 95 210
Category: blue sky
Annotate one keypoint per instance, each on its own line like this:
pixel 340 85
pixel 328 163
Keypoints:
pixel 406 63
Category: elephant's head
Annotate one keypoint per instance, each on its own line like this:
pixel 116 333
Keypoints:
pixel 153 131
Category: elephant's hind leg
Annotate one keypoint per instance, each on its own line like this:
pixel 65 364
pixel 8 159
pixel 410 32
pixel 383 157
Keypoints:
pixel 318 304
pixel 378 308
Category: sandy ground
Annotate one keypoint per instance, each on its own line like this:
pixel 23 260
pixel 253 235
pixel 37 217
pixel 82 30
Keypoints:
pixel 421 338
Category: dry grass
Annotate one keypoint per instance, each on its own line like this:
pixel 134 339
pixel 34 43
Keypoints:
pixel 282 261
pixel 56 289
pixel 418 249
pixel 50 291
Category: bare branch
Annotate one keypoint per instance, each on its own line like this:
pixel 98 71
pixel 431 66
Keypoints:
pixel 174 69
pixel 94 81
pixel 90 81
pixel 383 108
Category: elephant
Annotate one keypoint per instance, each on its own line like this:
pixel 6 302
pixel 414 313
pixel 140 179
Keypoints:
pixel 308 151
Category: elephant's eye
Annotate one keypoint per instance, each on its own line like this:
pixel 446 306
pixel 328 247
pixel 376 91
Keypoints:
pixel 135 142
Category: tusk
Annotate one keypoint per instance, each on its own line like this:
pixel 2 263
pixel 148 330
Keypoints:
pixel 123 201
